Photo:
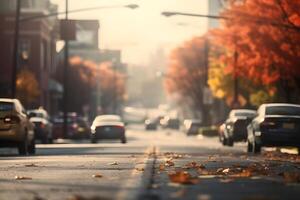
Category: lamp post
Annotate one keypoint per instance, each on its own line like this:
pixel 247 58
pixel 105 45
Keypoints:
pixel 65 77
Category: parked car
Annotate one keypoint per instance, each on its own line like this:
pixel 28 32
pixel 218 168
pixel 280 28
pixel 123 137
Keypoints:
pixel 15 128
pixel 170 122
pixel 151 124
pixel 108 127
pixel 276 125
pixel 43 126
pixel 78 127
pixel 192 126
pixel 236 126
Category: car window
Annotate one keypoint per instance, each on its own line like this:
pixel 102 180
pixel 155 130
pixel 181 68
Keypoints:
pixel 6 106
pixel 111 118
pixel 245 114
pixel 283 110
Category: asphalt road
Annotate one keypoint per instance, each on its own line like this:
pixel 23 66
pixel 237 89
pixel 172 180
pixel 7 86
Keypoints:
pixel 163 164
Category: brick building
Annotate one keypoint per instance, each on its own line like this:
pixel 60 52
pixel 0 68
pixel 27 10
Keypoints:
pixel 37 45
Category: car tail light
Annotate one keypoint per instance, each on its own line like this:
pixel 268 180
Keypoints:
pixel 42 125
pixel 11 120
pixel 120 127
pixel 74 126
pixel 267 124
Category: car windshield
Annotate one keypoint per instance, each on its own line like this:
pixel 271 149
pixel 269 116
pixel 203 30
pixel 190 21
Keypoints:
pixel 108 118
pixel 36 114
pixel 6 106
pixel 283 110
pixel 245 114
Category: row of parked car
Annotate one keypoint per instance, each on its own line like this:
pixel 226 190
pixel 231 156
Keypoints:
pixel 163 122
pixel 272 125
pixel 21 129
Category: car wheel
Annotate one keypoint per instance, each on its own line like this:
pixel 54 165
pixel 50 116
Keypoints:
pixel 22 147
pixel 256 148
pixel 31 147
pixel 249 147
pixel 93 140
pixel 230 142
pixel 123 140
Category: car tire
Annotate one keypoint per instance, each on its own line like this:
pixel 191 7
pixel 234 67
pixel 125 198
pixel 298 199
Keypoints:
pixel 230 142
pixel 256 148
pixel 123 140
pixel 93 140
pixel 249 147
pixel 22 147
pixel 31 147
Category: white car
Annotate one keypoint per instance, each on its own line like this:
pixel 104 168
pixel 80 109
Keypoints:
pixel 108 127
pixel 43 126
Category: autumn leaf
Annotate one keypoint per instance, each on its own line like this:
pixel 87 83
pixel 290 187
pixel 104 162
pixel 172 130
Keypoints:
pixel 97 176
pixel 22 178
pixel 193 165
pixel 182 177
pixel 114 163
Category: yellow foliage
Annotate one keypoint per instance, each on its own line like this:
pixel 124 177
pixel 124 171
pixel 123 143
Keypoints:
pixel 27 86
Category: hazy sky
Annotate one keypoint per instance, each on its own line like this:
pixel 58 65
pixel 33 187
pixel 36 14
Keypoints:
pixel 139 33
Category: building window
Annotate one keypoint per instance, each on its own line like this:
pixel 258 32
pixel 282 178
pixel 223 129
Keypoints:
pixel 24 50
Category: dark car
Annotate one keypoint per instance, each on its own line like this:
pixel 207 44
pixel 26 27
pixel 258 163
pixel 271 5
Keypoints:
pixel 151 124
pixel 192 126
pixel 276 125
pixel 43 126
pixel 78 127
pixel 170 122
pixel 15 128
pixel 235 129
pixel 108 127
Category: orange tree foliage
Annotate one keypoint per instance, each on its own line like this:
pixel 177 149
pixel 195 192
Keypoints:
pixel 186 71
pixel 266 35
pixel 27 87
pixel 86 77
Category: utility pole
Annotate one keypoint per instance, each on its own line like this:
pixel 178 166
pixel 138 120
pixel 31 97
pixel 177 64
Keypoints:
pixel 65 79
pixel 235 81
pixel 15 50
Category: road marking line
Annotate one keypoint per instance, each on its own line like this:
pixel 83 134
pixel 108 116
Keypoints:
pixel 130 189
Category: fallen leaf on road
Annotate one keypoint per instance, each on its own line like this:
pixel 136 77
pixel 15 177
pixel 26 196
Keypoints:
pixel 97 176
pixel 182 177
pixel 114 163
pixel 169 163
pixel 193 165
pixel 31 165
pixel 291 177
pixel 22 178
pixel 161 167
pixel 140 169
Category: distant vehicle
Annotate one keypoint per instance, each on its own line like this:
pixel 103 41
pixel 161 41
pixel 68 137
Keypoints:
pixel 108 127
pixel 236 126
pixel 15 128
pixel 78 127
pixel 276 125
pixel 168 122
pixel 43 126
pixel 192 126
pixel 151 124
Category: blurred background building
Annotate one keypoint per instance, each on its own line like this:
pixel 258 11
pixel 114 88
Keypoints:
pixel 37 46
